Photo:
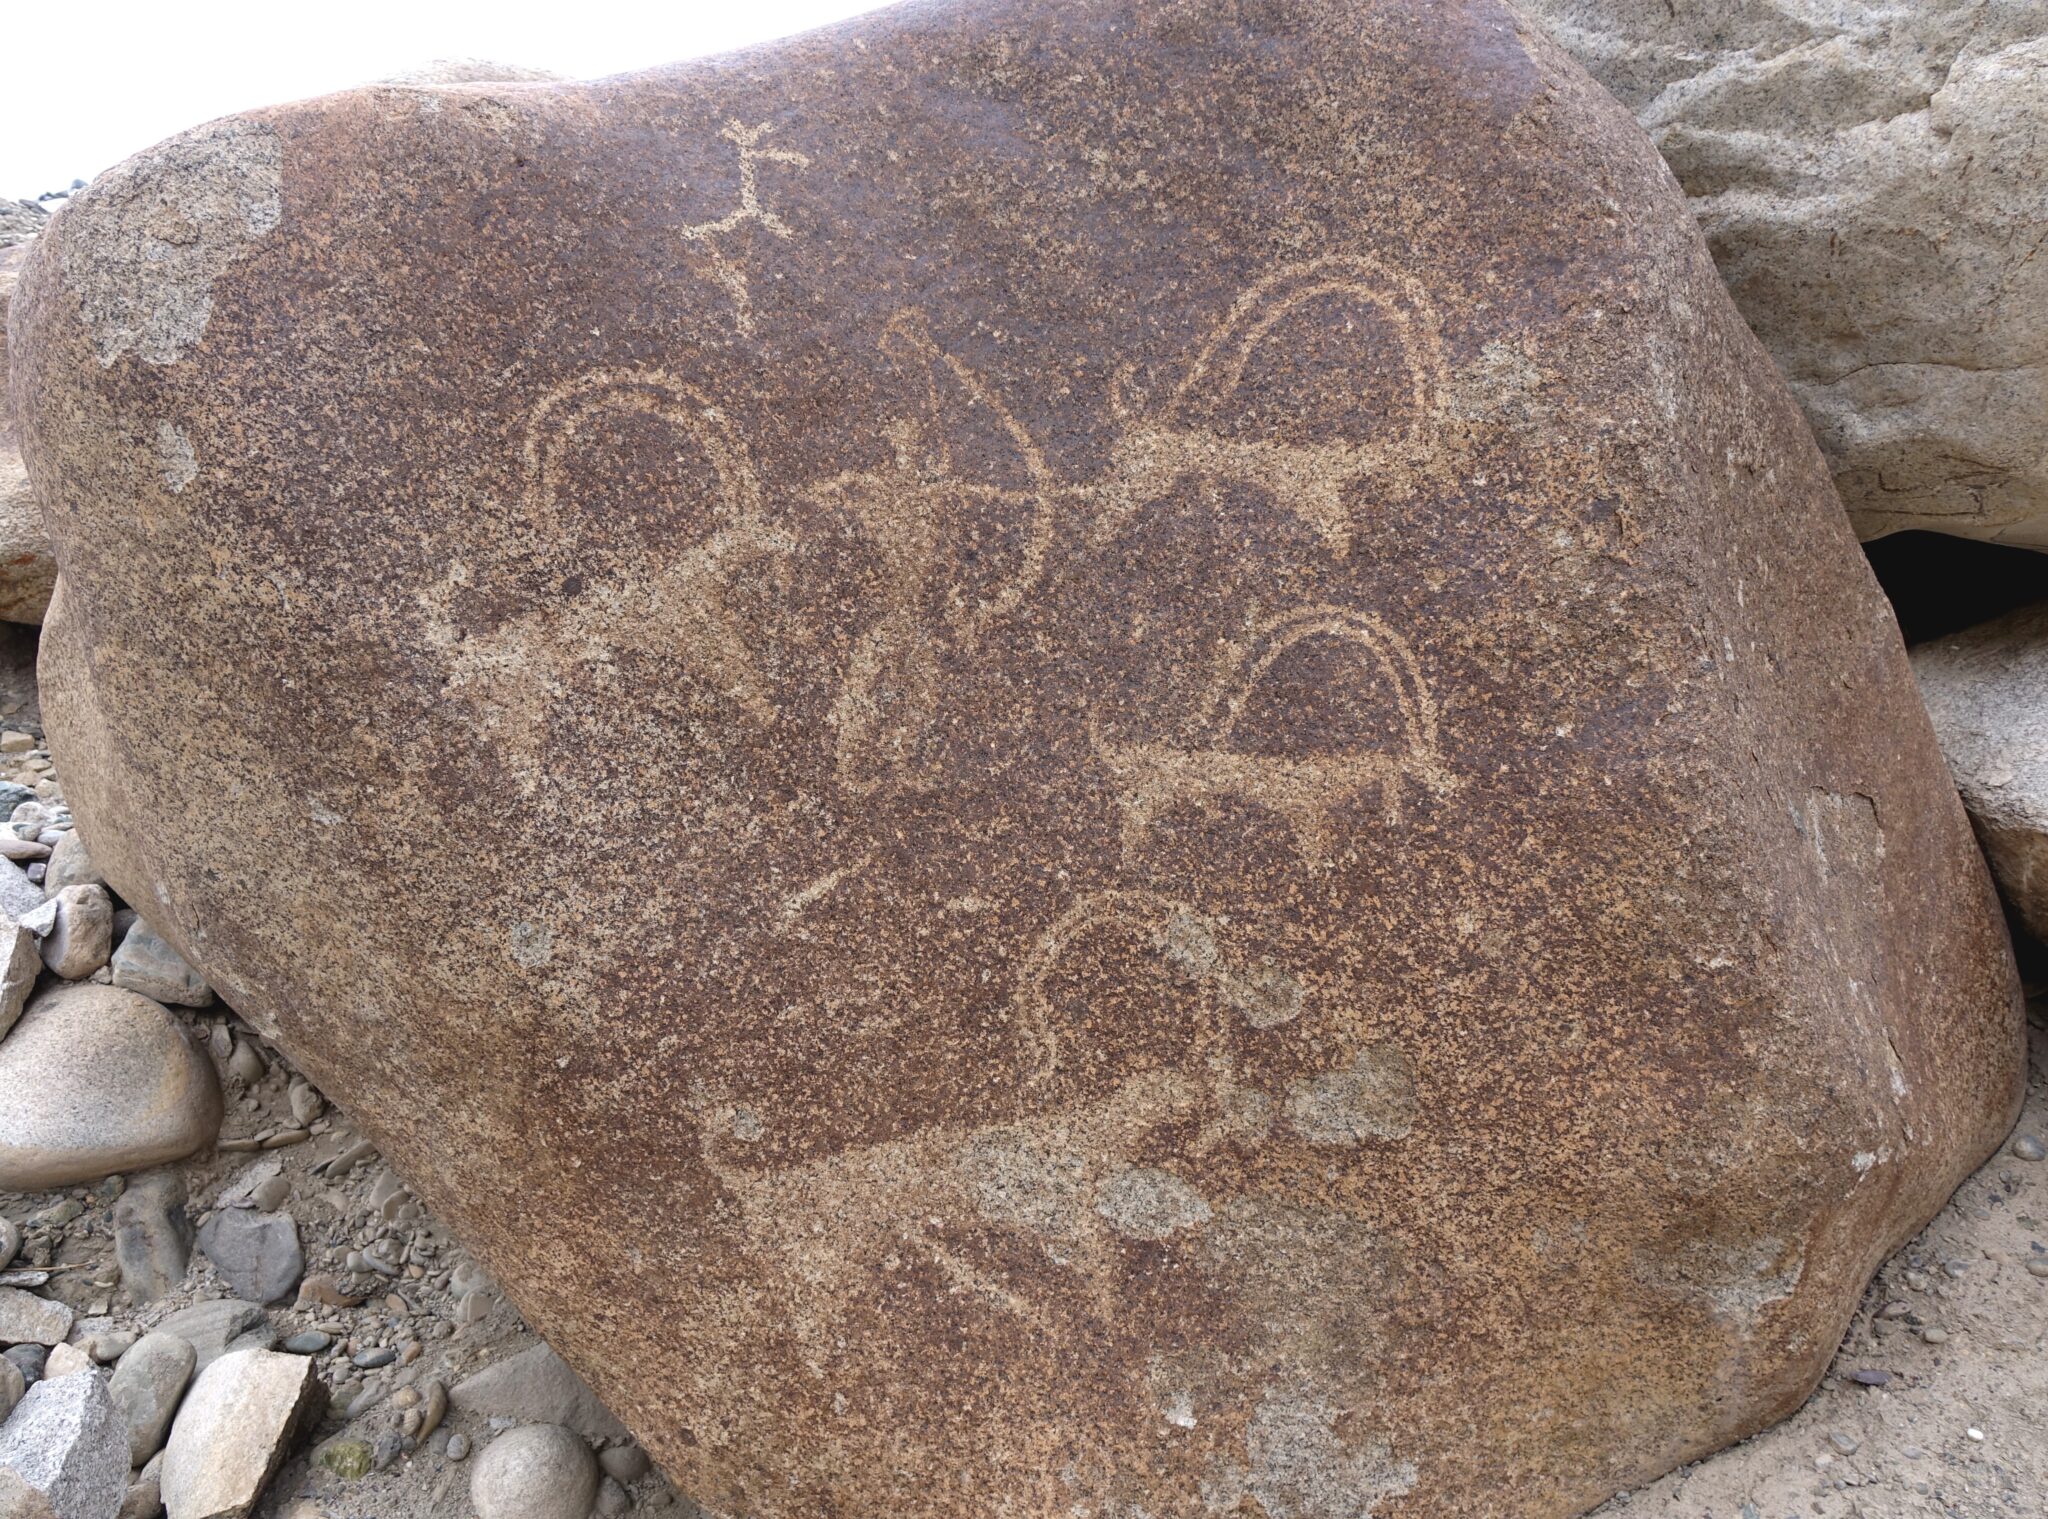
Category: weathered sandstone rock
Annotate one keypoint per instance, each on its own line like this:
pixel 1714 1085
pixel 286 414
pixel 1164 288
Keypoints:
pixel 95 1080
pixel 1871 177
pixel 1249 839
pixel 1987 691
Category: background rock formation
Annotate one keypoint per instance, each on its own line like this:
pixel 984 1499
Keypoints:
pixel 1224 735
pixel 1871 177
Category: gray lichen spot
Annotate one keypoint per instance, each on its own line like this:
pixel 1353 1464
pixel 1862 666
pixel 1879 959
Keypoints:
pixel 1372 1098
pixel 746 1125
pixel 1019 1182
pixel 1297 1467
pixel 1147 1203
pixel 174 454
pixel 1266 995
pixel 533 945
pixel 142 248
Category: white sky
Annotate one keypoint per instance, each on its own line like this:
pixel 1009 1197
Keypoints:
pixel 83 85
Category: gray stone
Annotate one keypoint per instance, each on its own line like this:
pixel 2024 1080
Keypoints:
pixel 82 936
pixel 221 1326
pixel 28 1359
pixel 307 1342
pixel 95 1080
pixel 539 1471
pixel 258 1253
pixel 145 1498
pixel 12 1385
pixel 152 1236
pixel 628 1463
pixel 1870 176
pixel 234 1429
pixel 10 1239
pixel 145 963
pixel 70 865
pixel 65 1361
pixel 63 1445
pixel 28 1319
pixel 146 1387
pixel 19 896
pixel 21 961
pixel 536 1386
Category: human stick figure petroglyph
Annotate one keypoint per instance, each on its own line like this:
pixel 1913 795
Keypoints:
pixel 727 273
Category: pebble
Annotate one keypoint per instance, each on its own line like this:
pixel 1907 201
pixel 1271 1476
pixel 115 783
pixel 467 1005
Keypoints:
pixel 271 1194
pixel 152 1236
pixel 245 1065
pixel 538 1471
pixel 306 1104
pixel 146 1387
pixel 2038 1266
pixel 22 851
pixel 1848 1445
pixel 307 1342
pixel 536 1386
pixel 324 1292
pixel 2030 1147
pixel 458 1446
pixel 110 1346
pixel 1871 1377
pixel 10 1240
pixel 386 1450
pixel 145 1498
pixel 28 1359
pixel 370 1360
pixel 69 865
pixel 433 1409
pixel 95 1080
pixel 12 1385
pixel 233 1430
pixel 612 1499
pixel 1934 1336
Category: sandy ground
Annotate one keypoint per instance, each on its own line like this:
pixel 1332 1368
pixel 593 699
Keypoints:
pixel 1960 1428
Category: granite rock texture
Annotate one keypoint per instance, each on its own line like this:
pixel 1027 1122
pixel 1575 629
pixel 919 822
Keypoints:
pixel 1250 839
pixel 1986 689
pixel 28 571
pixel 1871 177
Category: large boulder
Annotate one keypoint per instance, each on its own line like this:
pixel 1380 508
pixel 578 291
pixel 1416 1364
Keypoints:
pixel 1987 690
pixel 1140 731
pixel 96 1080
pixel 28 571
pixel 1871 178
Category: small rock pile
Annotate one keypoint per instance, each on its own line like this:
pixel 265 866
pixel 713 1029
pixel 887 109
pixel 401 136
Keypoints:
pixel 215 1300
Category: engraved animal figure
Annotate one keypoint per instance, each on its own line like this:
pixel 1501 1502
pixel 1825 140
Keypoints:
pixel 1309 480
pixel 728 274
pixel 907 510
pixel 1152 778
pixel 678 610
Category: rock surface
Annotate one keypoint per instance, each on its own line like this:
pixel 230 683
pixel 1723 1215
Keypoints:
pixel 537 1386
pixel 63 1453
pixel 221 1326
pixel 28 571
pixel 1987 690
pixel 256 1253
pixel 1870 177
pixel 81 935
pixel 235 1426
pixel 1229 729
pixel 96 1080
pixel 146 1387
pixel 541 1471
pixel 145 964
pixel 152 1236
pixel 28 1319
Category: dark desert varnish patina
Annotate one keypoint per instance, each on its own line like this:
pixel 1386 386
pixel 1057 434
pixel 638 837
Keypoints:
pixel 1130 744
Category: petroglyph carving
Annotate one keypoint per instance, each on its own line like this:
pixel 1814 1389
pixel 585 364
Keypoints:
pixel 751 156
pixel 1311 480
pixel 1187 942
pixel 1306 790
pixel 891 690
pixel 679 609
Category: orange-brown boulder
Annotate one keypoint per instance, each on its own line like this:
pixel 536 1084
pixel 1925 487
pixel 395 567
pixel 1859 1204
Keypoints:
pixel 1129 743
